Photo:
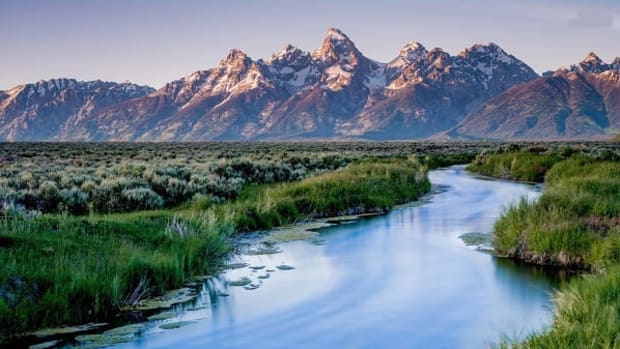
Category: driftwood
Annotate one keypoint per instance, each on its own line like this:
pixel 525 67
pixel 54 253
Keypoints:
pixel 137 294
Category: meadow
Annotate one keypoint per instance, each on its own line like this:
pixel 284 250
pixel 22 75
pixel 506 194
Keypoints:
pixel 87 229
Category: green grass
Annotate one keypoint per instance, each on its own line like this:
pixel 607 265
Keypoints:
pixel 586 316
pixel 575 223
pixel 67 269
pixel 523 165
pixel 59 270
pixel 370 186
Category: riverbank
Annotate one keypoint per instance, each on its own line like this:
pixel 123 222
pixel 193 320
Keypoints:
pixel 368 283
pixel 64 269
pixel 575 222
pixel 574 225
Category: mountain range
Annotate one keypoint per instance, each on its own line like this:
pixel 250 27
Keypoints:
pixel 333 92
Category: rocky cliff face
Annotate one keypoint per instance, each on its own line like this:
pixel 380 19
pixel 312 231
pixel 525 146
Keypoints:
pixel 580 101
pixel 334 91
pixel 428 91
pixel 48 109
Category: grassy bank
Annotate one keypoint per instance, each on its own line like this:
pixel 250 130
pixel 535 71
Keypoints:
pixel 368 186
pixel 60 269
pixel 528 166
pixel 575 224
pixel 66 270
pixel 586 315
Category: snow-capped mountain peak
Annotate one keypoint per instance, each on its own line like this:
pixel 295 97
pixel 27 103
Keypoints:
pixel 491 52
pixel 290 67
pixel 290 56
pixel 336 34
pixel 592 64
pixel 286 54
pixel 235 57
pixel 412 50
pixel 337 48
pixel 333 91
pixel 592 58
pixel 492 62
pixel 409 53
pixel 42 110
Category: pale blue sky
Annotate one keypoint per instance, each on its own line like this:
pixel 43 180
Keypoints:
pixel 155 41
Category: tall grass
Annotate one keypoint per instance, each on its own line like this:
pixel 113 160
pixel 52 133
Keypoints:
pixel 586 316
pixel 61 269
pixel 374 185
pixel 526 166
pixel 575 223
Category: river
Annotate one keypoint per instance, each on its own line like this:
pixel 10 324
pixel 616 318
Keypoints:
pixel 402 280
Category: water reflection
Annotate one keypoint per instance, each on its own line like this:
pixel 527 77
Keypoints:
pixel 404 280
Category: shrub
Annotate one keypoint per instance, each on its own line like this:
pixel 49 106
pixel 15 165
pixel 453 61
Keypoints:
pixel 141 199
pixel 50 196
pixel 74 200
pixel 88 186
pixel 108 196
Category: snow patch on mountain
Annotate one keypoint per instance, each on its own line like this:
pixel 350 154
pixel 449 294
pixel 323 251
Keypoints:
pixel 377 77
pixel 409 53
pixel 299 79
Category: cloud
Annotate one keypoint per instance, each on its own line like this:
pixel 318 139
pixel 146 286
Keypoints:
pixel 592 18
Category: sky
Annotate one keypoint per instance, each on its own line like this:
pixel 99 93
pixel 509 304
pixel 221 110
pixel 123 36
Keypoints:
pixel 155 41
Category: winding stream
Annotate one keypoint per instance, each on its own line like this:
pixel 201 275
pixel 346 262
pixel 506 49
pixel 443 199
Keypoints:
pixel 403 280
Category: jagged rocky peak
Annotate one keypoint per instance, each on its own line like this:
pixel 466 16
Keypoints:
pixel 489 53
pixel 409 53
pixel 183 89
pixel 592 63
pixel 439 58
pixel 412 50
pixel 290 56
pixel 54 87
pixel 493 63
pixel 337 48
pixel 60 83
pixel 592 58
pixel 286 52
pixel 236 58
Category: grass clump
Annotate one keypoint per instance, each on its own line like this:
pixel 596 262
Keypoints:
pixel 576 224
pixel 586 316
pixel 433 161
pixel 60 270
pixel 369 186
pixel 526 166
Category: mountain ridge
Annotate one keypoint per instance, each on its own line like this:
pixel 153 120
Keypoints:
pixel 579 101
pixel 332 92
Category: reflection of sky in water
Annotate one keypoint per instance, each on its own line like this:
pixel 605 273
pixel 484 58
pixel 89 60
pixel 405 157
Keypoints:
pixel 400 281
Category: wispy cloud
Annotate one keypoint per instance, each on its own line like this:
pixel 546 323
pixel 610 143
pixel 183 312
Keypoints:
pixel 592 18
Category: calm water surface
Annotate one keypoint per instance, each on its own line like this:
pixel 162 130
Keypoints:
pixel 404 280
